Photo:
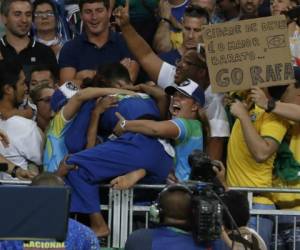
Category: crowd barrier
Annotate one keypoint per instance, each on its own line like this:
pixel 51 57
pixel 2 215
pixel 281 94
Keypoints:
pixel 121 209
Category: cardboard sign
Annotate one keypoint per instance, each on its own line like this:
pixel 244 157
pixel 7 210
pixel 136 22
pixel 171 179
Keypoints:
pixel 248 53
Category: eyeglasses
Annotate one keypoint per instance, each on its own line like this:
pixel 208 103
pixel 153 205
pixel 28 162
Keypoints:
pixel 44 14
pixel 45 99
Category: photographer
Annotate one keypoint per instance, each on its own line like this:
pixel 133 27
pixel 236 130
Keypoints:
pixel 235 233
pixel 238 206
pixel 174 214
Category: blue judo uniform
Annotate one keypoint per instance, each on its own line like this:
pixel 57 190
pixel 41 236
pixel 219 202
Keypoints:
pixel 129 152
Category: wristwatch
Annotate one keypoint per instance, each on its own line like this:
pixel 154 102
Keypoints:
pixel 14 171
pixel 123 124
pixel 271 105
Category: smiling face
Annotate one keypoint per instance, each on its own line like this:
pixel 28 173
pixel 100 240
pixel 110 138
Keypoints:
pixel 183 106
pixel 95 17
pixel 187 67
pixel 18 19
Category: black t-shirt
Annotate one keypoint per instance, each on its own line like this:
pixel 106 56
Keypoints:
pixel 34 54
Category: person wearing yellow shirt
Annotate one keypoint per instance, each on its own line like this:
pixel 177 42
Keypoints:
pixel 253 143
pixel 289 108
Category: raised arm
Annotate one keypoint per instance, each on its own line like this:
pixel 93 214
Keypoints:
pixel 288 111
pixel 101 105
pixel 261 148
pixel 158 94
pixel 145 56
pixel 73 105
pixel 162 37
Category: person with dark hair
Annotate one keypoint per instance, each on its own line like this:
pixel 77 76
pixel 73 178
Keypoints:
pixel 117 156
pixel 238 236
pixel 191 66
pixel 193 19
pixel 98 45
pixel 252 147
pixel 229 9
pixel 184 128
pixel 16 45
pixel 20 131
pixel 79 236
pixel 174 214
pixel 42 74
pixel 48 29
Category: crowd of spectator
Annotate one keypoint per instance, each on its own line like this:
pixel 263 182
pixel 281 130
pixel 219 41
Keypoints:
pixel 119 91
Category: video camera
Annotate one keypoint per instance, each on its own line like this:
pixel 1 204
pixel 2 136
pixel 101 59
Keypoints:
pixel 206 205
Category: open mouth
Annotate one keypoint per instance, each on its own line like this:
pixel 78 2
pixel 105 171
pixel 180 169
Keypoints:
pixel 175 109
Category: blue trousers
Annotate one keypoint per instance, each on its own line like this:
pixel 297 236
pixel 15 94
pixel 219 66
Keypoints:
pixel 114 158
pixel 265 223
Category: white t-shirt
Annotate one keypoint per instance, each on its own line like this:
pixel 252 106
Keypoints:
pixel 215 112
pixel 25 142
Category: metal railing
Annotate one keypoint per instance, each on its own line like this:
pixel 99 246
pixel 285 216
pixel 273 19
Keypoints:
pixel 123 209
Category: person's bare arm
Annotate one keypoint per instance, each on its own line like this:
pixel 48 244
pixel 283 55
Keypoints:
pixel 101 106
pixel 73 105
pixel 260 148
pixel 162 129
pixel 146 57
pixel 20 172
pixel 158 94
pixel 162 37
pixel 288 111
pixel 215 147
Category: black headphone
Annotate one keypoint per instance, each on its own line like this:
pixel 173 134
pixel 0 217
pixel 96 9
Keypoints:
pixel 156 211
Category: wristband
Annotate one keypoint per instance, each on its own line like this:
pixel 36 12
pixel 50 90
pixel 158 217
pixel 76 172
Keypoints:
pixel 123 124
pixel 271 105
pixel 14 171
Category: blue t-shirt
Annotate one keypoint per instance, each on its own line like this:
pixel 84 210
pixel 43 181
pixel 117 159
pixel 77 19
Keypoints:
pixel 140 106
pixel 81 54
pixel 166 238
pixel 190 138
pixel 79 237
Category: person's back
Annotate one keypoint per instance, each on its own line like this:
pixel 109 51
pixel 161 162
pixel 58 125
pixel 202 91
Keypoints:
pixel 163 238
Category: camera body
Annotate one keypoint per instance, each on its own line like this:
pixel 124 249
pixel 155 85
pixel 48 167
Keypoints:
pixel 202 166
pixel 207 214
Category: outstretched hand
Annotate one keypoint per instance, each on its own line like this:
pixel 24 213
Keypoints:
pixel 121 15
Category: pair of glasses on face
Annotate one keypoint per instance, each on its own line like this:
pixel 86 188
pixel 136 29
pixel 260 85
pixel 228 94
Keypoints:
pixel 45 99
pixel 44 14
